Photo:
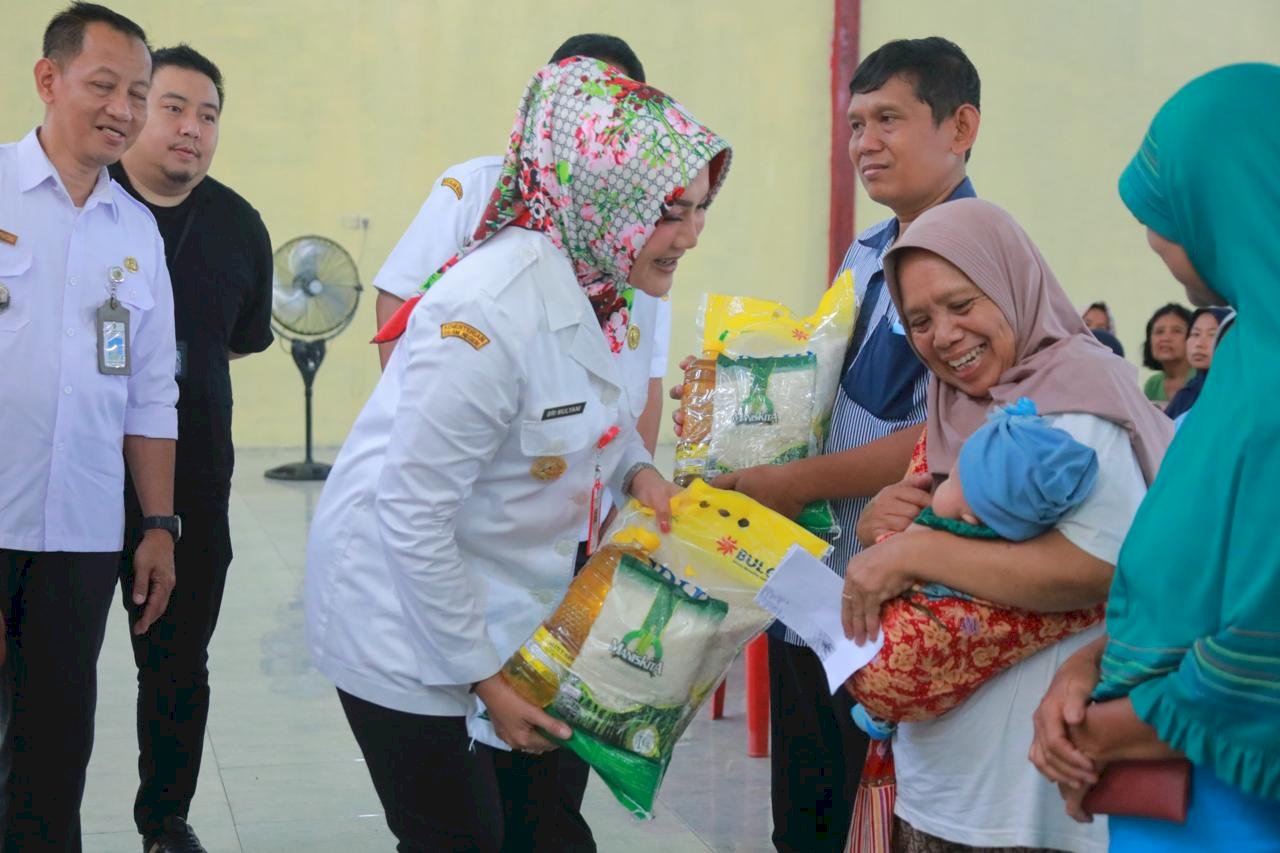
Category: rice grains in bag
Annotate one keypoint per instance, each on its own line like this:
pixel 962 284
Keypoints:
pixel 762 392
pixel 648 629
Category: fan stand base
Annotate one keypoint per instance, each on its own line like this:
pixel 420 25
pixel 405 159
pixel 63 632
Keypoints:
pixel 299 471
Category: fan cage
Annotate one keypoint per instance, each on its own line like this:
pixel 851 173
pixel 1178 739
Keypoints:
pixel 313 316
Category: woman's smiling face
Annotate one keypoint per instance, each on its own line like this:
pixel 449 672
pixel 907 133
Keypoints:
pixel 963 336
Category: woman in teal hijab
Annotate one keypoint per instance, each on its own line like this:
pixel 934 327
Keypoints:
pixel 1192 666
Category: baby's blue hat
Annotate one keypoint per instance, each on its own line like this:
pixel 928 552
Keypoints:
pixel 1020 475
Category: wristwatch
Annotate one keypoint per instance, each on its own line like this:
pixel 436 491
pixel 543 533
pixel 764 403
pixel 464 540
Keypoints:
pixel 171 524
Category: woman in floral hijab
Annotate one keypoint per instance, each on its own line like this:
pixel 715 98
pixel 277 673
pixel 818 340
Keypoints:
pixel 448 525
pixel 595 161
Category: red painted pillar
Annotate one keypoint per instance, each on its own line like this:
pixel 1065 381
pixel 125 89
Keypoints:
pixel 844 59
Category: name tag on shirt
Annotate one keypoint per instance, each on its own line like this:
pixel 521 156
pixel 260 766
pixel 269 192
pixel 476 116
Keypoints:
pixel 563 411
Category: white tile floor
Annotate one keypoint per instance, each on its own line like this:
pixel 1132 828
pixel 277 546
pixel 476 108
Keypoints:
pixel 281 771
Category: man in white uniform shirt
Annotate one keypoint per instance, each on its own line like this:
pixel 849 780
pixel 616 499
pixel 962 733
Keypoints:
pixel 88 354
pixel 451 212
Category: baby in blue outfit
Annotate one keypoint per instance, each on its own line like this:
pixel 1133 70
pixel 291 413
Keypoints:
pixel 1017 475
pixel 1015 478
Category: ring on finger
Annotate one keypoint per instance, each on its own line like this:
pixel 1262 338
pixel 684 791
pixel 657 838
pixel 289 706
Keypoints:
pixel 846 596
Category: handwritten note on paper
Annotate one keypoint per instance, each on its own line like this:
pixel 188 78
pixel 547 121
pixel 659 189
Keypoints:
pixel 805 595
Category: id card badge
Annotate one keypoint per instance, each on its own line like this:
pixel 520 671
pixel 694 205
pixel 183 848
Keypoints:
pixel 113 339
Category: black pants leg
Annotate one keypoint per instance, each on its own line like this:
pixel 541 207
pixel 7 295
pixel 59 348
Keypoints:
pixel 542 801
pixel 439 795
pixel 816 756
pixel 55 606
pixel 173 673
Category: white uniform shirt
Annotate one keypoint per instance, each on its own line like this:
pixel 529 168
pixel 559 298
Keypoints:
pixel 435 550
pixel 64 422
pixel 965 776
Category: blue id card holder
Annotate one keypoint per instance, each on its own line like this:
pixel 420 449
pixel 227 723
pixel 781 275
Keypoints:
pixel 112 322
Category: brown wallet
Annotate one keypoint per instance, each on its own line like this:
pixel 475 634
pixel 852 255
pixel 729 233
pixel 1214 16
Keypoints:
pixel 1159 788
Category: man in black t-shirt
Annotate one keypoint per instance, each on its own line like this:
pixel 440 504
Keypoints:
pixel 219 258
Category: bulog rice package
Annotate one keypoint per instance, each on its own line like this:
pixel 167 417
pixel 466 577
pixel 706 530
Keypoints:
pixel 763 390
pixel 648 629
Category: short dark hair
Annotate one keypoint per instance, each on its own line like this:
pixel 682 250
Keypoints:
pixel 1148 360
pixel 186 56
pixel 64 37
pixel 611 49
pixel 942 76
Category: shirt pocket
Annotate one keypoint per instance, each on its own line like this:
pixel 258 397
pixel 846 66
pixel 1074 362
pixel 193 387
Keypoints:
pixel 136 296
pixel 883 376
pixel 13 266
pixel 558 437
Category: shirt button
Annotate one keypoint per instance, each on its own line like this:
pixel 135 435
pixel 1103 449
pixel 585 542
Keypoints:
pixel 72 281
pixel 66 389
pixel 71 333
pixel 61 445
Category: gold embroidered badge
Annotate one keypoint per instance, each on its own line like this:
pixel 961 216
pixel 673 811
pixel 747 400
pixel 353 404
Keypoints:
pixel 8 237
pixel 453 184
pixel 131 264
pixel 466 332
pixel 633 337
pixel 547 468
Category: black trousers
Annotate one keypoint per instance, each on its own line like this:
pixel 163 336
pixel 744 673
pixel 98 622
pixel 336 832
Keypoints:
pixel 55 606
pixel 172 659
pixel 440 793
pixel 816 753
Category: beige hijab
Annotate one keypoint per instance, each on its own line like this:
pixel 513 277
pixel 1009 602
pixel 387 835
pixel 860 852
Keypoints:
pixel 1058 363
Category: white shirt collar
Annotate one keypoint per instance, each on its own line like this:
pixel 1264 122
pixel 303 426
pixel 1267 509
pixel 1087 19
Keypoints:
pixel 35 167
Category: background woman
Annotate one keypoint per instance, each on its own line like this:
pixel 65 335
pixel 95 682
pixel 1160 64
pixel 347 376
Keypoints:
pixel 1098 316
pixel 987 316
pixel 1165 351
pixel 1099 320
pixel 448 527
pixel 1202 339
pixel 1193 664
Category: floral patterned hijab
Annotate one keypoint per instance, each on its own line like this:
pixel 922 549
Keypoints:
pixel 594 160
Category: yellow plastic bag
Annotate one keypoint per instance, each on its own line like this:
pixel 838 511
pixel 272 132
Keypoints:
pixel 763 390
pixel 649 627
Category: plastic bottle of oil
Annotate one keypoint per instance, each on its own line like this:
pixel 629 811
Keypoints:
pixel 537 666
pixel 698 404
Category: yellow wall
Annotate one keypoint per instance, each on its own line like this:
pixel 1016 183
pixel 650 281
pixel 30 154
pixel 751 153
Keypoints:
pixel 338 108
pixel 1068 89
pixel 342 107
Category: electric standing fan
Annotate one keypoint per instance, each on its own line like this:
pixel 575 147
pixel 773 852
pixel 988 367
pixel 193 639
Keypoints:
pixel 315 289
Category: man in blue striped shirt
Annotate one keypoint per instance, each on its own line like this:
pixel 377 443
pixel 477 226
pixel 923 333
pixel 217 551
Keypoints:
pixel 914 117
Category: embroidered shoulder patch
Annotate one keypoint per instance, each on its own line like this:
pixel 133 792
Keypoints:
pixel 453 184
pixel 466 332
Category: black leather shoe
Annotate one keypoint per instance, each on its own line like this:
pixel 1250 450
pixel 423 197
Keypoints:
pixel 178 837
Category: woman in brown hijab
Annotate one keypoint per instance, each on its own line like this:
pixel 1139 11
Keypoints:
pixel 984 312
